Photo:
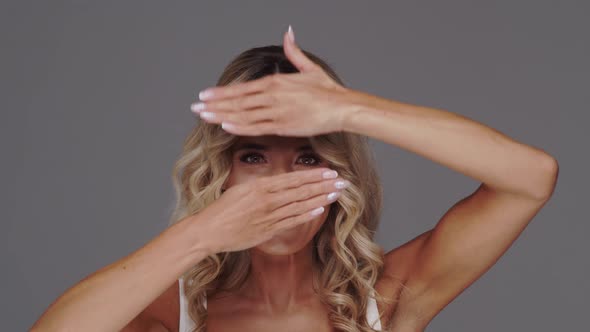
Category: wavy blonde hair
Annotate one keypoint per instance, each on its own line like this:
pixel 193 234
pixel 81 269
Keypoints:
pixel 346 261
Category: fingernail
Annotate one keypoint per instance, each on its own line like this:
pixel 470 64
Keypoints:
pixel 333 196
pixel 330 174
pixel 317 211
pixel 207 115
pixel 291 34
pixel 203 95
pixel 197 107
pixel 341 184
pixel 227 125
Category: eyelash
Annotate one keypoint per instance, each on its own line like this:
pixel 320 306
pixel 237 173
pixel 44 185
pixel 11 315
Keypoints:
pixel 246 155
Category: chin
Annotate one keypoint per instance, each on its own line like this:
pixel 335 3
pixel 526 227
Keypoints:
pixel 291 240
pixel 278 248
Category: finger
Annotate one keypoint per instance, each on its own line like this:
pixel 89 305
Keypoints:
pixel 297 178
pixel 251 117
pixel 255 100
pixel 235 89
pixel 306 192
pixel 242 118
pixel 295 54
pixel 297 208
pixel 295 220
pixel 256 129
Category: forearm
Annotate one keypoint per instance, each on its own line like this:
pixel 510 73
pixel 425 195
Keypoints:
pixel 112 296
pixel 456 142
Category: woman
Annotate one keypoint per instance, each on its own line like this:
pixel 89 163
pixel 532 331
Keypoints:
pixel 244 250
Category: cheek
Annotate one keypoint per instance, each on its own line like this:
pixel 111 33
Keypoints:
pixel 238 176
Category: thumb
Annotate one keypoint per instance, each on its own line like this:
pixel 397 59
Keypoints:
pixel 295 54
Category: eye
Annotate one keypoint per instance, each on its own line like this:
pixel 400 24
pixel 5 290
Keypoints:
pixel 312 156
pixel 250 158
pixel 244 157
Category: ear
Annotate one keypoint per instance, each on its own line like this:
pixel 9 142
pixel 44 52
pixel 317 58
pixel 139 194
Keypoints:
pixel 295 55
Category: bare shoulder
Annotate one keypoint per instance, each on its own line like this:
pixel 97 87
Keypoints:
pixel 398 263
pixel 162 315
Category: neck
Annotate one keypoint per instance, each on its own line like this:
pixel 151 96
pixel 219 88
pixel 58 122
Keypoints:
pixel 280 282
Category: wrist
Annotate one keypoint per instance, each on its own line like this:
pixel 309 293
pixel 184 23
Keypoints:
pixel 354 108
pixel 194 238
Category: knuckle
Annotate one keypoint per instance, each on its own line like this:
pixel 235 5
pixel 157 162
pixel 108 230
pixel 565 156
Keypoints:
pixel 266 205
pixel 272 98
pixel 261 191
pixel 273 201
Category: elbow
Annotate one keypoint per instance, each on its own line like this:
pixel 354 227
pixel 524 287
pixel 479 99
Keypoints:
pixel 547 182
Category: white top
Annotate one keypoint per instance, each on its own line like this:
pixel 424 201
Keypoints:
pixel 187 324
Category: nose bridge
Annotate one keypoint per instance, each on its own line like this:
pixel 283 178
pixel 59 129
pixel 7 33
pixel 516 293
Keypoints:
pixel 282 163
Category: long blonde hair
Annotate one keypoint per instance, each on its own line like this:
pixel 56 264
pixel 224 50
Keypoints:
pixel 348 261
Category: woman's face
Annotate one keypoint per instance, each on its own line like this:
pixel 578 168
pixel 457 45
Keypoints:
pixel 259 156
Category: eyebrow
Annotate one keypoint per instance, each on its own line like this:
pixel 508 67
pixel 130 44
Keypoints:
pixel 262 147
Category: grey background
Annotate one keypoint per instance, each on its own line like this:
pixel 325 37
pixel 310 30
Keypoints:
pixel 95 105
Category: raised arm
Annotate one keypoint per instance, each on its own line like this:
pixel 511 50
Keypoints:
pixel 516 181
pixel 108 299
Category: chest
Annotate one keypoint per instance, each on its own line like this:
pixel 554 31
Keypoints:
pixel 232 314
pixel 228 313
pixel 303 320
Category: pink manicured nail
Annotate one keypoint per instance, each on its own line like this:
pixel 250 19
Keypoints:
pixel 317 211
pixel 207 93
pixel 291 34
pixel 333 196
pixel 342 184
pixel 197 107
pixel 227 125
pixel 330 174
pixel 207 115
